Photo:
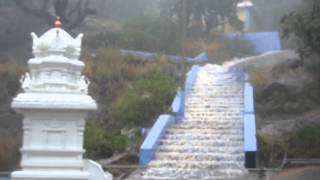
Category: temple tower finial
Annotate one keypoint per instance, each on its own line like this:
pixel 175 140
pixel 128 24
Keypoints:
pixel 57 23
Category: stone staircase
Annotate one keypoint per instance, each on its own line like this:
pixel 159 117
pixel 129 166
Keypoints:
pixel 208 142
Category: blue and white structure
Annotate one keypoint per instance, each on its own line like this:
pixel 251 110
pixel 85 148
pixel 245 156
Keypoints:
pixel 250 140
pixel 262 42
pixel 211 133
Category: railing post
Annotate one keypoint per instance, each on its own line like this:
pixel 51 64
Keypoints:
pixel 250 140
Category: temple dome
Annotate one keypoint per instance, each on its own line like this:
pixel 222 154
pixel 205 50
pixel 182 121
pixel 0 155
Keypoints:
pixel 56 67
pixel 56 41
pixel 245 3
pixel 51 35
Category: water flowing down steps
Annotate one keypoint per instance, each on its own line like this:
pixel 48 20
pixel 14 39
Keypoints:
pixel 207 143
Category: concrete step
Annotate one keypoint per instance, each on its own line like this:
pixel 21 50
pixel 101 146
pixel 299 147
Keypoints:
pixel 220 155
pixel 196 164
pixel 211 142
pixel 162 173
pixel 197 118
pixel 202 136
pixel 217 128
pixel 177 131
pixel 197 146
pixel 200 139
pixel 206 130
pixel 208 124
pixel 211 116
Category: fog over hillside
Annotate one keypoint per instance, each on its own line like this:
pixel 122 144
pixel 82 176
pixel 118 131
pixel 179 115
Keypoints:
pixel 18 18
pixel 137 54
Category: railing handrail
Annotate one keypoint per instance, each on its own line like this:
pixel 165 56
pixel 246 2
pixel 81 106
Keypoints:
pixel 300 161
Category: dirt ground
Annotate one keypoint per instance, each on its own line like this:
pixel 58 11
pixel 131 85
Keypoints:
pixel 305 173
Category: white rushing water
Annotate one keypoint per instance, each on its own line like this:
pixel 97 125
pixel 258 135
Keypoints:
pixel 208 142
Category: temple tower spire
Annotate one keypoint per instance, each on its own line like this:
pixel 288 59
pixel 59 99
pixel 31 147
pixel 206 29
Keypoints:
pixel 55 104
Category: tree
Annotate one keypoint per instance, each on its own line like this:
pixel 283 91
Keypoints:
pixel 155 33
pixel 122 9
pixel 268 13
pixel 10 122
pixel 204 15
pixel 304 24
pixel 72 13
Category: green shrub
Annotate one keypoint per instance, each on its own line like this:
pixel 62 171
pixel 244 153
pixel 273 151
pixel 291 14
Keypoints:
pixel 305 143
pixel 100 143
pixel 95 141
pixel 130 93
pixel 144 100
pixel 10 123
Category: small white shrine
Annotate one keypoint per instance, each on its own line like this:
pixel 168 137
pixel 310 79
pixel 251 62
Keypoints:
pixel 245 14
pixel 55 104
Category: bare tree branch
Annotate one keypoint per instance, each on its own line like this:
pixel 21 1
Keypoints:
pixel 60 7
pixel 83 12
pixel 35 12
pixel 71 17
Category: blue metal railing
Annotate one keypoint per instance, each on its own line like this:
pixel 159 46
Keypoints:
pixel 250 141
pixel 150 144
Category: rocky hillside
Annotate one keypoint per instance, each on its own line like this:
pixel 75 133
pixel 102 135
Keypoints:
pixel 287 104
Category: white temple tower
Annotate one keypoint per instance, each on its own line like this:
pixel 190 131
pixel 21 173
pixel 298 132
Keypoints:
pixel 54 105
pixel 245 10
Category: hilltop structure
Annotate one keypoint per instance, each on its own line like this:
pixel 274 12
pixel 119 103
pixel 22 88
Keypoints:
pixel 262 42
pixel 245 11
pixel 55 104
